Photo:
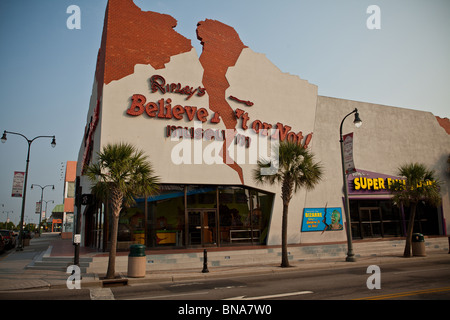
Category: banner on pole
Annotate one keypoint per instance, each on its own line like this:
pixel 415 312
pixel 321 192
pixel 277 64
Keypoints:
pixel 349 165
pixel 38 207
pixel 17 187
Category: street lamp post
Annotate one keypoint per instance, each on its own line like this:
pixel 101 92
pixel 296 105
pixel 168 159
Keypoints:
pixel 53 144
pixel 350 255
pixel 46 203
pixel 42 198
pixel 7 217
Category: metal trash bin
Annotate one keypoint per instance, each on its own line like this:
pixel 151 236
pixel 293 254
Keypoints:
pixel 418 245
pixel 136 261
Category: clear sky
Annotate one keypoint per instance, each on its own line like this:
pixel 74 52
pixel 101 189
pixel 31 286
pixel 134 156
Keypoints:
pixel 47 70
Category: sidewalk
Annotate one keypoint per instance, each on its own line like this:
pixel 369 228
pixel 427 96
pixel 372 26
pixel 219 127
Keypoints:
pixel 17 273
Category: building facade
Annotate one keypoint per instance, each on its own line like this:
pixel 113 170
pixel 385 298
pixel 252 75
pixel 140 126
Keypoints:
pixel 69 199
pixel 56 219
pixel 205 120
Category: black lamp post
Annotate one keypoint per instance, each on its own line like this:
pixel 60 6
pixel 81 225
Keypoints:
pixel 53 144
pixel 350 255
pixel 46 203
pixel 42 198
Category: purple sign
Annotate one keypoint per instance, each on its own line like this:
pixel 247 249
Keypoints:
pixel 367 182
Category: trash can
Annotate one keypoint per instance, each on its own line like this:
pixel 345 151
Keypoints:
pixel 136 261
pixel 418 245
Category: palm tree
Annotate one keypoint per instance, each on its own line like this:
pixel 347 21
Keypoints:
pixel 296 169
pixel 120 174
pixel 420 185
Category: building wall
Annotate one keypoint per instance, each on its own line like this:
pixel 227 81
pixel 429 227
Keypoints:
pixel 388 138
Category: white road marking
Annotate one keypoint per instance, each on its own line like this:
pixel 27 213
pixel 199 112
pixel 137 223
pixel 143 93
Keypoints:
pixel 167 296
pixel 281 295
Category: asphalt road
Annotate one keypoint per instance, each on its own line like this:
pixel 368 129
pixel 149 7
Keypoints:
pixel 410 279
pixel 424 279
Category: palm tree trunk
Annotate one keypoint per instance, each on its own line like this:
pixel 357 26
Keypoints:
pixel 284 225
pixel 111 273
pixel 409 232
pixel 116 203
pixel 286 194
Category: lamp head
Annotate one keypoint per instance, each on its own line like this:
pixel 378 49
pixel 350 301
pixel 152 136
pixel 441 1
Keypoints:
pixel 53 142
pixel 357 122
pixel 4 137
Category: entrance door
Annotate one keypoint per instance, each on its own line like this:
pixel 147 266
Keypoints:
pixel 370 222
pixel 202 227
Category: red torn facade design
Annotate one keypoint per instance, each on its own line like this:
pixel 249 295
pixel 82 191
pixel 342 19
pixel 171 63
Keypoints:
pixel 132 36
pixel 444 123
pixel 221 49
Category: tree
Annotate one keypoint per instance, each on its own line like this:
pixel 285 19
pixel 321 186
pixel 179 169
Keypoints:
pixel 420 185
pixel 7 225
pixel 120 174
pixel 296 169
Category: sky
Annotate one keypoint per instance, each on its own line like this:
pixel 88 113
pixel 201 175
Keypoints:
pixel 47 70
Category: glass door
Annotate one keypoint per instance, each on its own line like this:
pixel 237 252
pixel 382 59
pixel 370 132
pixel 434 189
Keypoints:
pixel 209 228
pixel 202 227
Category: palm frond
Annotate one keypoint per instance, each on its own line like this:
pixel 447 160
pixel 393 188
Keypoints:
pixel 296 165
pixel 420 184
pixel 123 168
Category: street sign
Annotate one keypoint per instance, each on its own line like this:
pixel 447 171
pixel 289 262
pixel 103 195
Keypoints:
pixel 86 199
pixel 77 238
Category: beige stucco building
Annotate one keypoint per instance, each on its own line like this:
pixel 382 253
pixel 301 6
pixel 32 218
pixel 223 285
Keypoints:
pixel 226 106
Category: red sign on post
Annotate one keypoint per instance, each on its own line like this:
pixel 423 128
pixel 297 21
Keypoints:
pixel 17 187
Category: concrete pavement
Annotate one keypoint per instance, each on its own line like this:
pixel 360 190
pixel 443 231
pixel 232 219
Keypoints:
pixel 43 264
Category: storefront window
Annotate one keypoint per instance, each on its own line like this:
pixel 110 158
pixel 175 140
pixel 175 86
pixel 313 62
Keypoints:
pixel 166 217
pixel 131 227
pixel 426 219
pixel 70 190
pixel 68 225
pixel 212 216
pixel 375 218
pixel 244 215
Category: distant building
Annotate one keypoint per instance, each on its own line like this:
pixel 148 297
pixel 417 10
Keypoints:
pixel 69 199
pixel 56 219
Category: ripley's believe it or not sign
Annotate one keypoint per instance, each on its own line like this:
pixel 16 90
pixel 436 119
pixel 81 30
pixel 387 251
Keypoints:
pixel 163 109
